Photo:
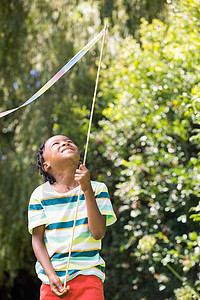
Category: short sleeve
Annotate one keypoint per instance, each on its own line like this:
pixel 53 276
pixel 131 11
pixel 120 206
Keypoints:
pixel 104 204
pixel 36 213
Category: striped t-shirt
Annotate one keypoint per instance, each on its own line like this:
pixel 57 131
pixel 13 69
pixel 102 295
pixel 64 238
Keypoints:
pixel 56 211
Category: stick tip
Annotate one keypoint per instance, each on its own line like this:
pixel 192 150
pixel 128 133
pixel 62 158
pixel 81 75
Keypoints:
pixel 106 25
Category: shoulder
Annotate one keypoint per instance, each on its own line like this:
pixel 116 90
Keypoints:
pixel 99 187
pixel 39 191
pixel 97 184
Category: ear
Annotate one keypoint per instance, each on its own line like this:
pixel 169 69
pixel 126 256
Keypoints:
pixel 46 166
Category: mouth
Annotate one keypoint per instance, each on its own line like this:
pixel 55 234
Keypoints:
pixel 66 149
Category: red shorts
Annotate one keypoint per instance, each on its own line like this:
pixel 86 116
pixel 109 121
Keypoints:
pixel 82 287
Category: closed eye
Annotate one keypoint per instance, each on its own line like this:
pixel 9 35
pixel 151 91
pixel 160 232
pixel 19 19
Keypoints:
pixel 56 143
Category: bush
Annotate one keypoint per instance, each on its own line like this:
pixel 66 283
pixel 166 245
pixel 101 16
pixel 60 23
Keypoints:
pixel 150 134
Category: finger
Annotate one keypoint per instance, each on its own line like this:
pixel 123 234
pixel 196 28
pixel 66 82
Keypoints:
pixel 61 295
pixel 77 179
pixel 82 167
pixel 78 171
pixel 65 292
pixel 57 293
pixel 57 288
pixel 78 176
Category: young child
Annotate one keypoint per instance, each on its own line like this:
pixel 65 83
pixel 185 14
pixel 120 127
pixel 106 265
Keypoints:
pixel 51 214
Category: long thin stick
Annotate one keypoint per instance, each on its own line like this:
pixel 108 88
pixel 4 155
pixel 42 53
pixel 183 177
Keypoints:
pixel 94 97
pixel 85 155
pixel 73 230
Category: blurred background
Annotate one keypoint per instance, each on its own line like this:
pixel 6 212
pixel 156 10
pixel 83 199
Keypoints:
pixel 144 143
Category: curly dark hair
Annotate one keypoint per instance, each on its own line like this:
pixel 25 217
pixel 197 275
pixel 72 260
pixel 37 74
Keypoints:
pixel 40 161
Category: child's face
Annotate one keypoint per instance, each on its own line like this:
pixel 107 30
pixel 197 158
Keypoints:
pixel 58 152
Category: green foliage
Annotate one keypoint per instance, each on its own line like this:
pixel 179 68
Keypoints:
pixel 185 293
pixel 147 152
pixel 48 35
pixel 196 216
pixel 151 135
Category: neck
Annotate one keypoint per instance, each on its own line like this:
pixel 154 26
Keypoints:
pixel 64 181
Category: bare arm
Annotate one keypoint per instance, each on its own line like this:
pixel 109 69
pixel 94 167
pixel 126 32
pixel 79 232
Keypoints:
pixel 43 257
pixel 96 221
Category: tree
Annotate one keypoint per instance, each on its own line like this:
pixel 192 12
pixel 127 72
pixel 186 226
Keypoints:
pixel 37 38
pixel 150 134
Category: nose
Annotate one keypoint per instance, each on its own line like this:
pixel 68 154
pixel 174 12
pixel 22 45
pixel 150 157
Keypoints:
pixel 65 143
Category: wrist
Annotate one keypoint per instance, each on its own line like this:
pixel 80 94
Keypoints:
pixel 51 275
pixel 87 188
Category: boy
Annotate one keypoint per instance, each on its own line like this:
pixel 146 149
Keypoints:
pixel 51 214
